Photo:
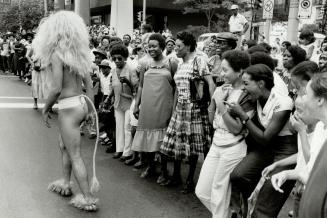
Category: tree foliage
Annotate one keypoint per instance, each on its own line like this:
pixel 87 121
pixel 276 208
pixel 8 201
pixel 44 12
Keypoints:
pixel 26 15
pixel 213 9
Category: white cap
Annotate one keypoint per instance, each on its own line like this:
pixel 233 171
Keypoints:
pixel 234 7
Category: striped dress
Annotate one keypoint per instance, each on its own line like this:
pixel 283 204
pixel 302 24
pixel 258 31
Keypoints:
pixel 188 132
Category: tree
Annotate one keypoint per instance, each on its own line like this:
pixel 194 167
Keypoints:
pixel 25 15
pixel 207 7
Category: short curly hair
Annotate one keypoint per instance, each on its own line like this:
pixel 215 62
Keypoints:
pixel 119 49
pixel 305 70
pixel 261 72
pixel 158 37
pixel 308 35
pixel 238 60
pixel 298 54
pixel 188 39
pixel 262 58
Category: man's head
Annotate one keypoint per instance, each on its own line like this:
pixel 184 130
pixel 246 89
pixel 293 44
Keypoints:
pixel 234 9
pixel 99 56
pixel 127 39
pixel 225 41
pixel 105 67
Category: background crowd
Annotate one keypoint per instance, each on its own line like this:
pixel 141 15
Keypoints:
pixel 255 112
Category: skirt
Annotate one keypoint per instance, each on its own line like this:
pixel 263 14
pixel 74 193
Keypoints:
pixel 188 132
pixel 37 85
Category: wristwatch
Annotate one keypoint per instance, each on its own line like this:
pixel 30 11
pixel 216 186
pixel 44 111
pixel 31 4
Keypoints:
pixel 246 120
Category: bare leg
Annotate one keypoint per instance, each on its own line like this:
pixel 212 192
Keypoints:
pixel 35 107
pixel 69 124
pixel 63 186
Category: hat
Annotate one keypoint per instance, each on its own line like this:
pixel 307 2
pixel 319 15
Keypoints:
pixel 100 52
pixel 105 64
pixel 234 7
pixel 170 40
pixel 224 36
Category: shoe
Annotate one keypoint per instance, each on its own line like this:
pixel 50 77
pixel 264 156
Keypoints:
pixel 110 149
pixel 125 158
pixel 139 165
pixel 188 188
pixel 35 107
pixel 148 173
pixel 117 155
pixel 103 136
pixel 162 178
pixel 93 136
pixel 172 182
pixel 26 80
pixel 291 213
pixel 106 141
pixel 132 161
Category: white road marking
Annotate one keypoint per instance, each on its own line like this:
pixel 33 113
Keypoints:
pixel 21 105
pixel 11 97
pixel 2 76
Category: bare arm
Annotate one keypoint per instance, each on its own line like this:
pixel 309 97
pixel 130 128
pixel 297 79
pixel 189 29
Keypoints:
pixel 56 85
pixel 310 52
pixel 245 28
pixel 211 110
pixel 278 121
pixel 305 145
pixel 211 84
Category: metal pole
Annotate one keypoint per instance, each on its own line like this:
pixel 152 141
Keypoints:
pixel 293 22
pixel 144 12
pixel 45 7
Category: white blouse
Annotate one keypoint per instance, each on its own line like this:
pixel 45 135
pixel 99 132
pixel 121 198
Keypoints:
pixel 274 104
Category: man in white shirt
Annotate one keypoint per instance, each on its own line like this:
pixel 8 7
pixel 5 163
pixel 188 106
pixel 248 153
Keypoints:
pixel 238 24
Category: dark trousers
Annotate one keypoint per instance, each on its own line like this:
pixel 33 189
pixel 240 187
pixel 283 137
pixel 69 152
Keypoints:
pixel 5 63
pixel 247 174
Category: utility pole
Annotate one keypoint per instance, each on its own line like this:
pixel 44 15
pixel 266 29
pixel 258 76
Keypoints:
pixel 144 11
pixel 293 22
pixel 45 7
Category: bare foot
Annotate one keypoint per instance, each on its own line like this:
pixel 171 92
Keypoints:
pixel 82 203
pixel 61 187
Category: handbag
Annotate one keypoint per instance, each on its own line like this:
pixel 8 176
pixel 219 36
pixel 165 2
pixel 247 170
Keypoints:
pixel 199 87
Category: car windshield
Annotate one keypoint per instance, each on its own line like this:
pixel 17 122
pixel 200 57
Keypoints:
pixel 202 38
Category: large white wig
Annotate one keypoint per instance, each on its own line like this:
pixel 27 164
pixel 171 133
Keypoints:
pixel 65 34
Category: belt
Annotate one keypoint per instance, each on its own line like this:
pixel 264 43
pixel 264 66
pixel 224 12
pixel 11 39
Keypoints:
pixel 232 144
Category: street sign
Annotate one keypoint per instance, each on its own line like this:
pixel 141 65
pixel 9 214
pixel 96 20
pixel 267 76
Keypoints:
pixel 305 9
pixel 268 9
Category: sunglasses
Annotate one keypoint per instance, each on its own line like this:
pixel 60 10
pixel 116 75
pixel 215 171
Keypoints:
pixel 117 58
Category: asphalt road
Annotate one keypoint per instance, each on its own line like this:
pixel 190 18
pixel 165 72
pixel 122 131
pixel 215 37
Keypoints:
pixel 30 160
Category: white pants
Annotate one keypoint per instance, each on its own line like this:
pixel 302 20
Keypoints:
pixel 214 187
pixel 123 132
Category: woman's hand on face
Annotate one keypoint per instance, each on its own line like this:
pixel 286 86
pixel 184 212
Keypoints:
pixel 297 123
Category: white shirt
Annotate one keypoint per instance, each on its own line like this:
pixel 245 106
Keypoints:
pixel 274 104
pixel 236 23
pixel 222 135
pixel 301 164
pixel 318 139
pixel 105 82
pixel 280 86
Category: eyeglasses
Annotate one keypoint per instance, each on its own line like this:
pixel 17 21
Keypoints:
pixel 117 58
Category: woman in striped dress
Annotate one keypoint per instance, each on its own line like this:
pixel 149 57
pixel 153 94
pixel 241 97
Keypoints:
pixel 188 133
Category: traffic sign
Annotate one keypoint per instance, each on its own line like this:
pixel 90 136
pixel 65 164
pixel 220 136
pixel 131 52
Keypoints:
pixel 305 9
pixel 268 9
